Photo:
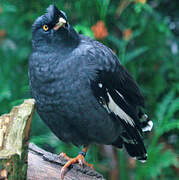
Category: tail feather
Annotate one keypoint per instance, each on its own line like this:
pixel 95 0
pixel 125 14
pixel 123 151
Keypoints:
pixel 133 127
pixel 145 123
pixel 131 138
pixel 136 151
pixel 133 144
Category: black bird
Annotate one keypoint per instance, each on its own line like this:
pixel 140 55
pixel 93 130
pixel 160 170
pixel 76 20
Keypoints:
pixel 82 91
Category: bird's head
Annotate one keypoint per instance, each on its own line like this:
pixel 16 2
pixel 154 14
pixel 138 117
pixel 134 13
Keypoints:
pixel 52 29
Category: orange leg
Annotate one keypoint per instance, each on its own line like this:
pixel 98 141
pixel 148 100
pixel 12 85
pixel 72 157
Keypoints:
pixel 79 159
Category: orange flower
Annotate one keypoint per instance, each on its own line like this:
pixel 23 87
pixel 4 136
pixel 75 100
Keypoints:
pixel 99 29
pixel 3 173
pixel 127 34
pixel 132 163
pixel 141 1
pixel 0 9
pixel 2 33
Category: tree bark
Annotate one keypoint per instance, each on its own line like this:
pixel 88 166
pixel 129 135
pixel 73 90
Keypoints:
pixel 43 165
pixel 14 138
pixel 15 153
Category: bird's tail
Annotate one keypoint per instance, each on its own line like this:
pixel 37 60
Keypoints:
pixel 145 123
pixel 137 151
pixel 133 143
pixel 132 140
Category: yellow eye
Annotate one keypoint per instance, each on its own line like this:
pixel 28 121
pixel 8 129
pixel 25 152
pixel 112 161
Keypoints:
pixel 45 27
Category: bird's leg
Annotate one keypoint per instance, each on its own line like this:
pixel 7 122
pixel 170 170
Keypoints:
pixel 79 159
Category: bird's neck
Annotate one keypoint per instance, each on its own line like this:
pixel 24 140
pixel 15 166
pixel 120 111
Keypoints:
pixel 64 42
pixel 70 40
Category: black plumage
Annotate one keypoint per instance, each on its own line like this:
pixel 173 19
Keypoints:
pixel 82 91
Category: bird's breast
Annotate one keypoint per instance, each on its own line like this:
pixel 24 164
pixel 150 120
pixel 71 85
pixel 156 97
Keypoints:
pixel 61 84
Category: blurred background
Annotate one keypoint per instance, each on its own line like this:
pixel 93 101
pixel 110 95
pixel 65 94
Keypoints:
pixel 145 36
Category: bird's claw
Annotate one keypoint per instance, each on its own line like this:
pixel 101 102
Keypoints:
pixel 79 159
pixel 63 155
pixel 62 173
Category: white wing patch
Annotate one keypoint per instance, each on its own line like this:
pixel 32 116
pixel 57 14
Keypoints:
pixel 120 94
pixel 100 85
pixel 118 111
pixel 148 127
pixel 142 161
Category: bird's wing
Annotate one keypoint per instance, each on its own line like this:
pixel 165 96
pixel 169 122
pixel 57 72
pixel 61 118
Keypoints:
pixel 116 91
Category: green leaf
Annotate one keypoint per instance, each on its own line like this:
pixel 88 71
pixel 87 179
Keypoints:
pixel 5 93
pixel 173 108
pixel 84 30
pixel 157 161
pixel 8 8
pixel 17 102
pixel 134 54
pixel 168 127
pixel 102 8
pixel 163 107
pixel 116 41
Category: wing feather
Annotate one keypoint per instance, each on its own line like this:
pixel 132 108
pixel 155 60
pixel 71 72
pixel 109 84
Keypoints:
pixel 119 94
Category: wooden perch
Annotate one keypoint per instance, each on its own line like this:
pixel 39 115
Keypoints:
pixel 45 165
pixel 42 165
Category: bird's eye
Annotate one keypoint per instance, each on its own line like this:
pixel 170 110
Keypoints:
pixel 45 27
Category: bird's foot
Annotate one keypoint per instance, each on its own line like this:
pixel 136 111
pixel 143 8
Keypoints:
pixel 79 159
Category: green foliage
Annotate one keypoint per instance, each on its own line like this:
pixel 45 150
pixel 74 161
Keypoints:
pixel 158 158
pixel 82 29
pixel 149 50
pixel 165 112
pixel 157 162
pixel 102 7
